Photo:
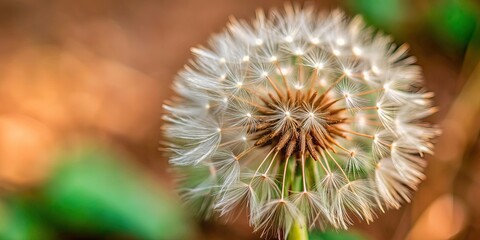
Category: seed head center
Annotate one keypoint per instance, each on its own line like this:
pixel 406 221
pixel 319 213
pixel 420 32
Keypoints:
pixel 300 123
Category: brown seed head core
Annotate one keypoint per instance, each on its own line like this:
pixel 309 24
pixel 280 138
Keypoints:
pixel 288 134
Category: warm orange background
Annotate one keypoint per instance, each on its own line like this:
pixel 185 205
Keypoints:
pixel 101 69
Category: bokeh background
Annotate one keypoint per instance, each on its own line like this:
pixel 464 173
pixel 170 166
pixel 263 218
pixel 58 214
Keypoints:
pixel 81 91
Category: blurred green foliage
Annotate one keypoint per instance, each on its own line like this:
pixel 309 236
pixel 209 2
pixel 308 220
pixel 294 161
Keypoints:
pixel 450 23
pixel 454 22
pixel 384 14
pixel 20 220
pixel 94 192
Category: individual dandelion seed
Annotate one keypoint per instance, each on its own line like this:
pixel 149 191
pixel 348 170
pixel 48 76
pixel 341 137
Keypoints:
pixel 300 118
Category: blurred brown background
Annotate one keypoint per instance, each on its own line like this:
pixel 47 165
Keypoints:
pixel 97 72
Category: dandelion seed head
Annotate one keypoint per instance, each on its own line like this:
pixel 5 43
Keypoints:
pixel 297 92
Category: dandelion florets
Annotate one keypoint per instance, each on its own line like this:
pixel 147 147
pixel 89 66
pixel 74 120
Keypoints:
pixel 300 116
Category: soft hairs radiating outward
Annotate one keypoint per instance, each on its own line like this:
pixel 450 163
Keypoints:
pixel 299 116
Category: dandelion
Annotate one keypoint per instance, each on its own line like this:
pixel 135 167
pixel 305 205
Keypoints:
pixel 301 119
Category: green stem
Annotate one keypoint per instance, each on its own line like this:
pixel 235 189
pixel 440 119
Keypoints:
pixel 298 231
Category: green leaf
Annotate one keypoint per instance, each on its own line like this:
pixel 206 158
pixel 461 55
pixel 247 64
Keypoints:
pixel 96 191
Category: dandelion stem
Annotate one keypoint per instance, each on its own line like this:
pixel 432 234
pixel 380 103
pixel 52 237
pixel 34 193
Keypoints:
pixel 298 231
